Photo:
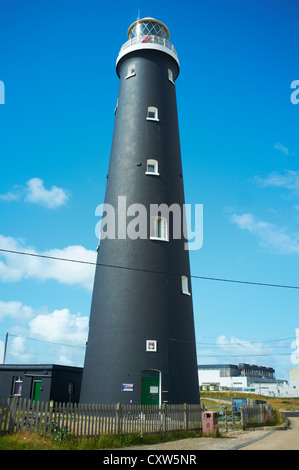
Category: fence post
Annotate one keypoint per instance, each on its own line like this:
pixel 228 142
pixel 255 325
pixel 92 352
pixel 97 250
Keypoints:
pixel 243 417
pixel 186 416
pixel 201 411
pixel 117 418
pixel 164 417
pixel 12 417
pixel 225 412
pixel 262 414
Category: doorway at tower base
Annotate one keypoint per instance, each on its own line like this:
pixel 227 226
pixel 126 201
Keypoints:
pixel 150 387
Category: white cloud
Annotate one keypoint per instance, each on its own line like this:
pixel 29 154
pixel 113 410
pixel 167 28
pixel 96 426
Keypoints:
pixel 60 326
pixel 15 310
pixel 235 346
pixel 10 196
pixel 36 193
pixel 235 350
pixel 46 337
pixel 289 180
pixel 269 234
pixel 14 267
pixel 19 352
pixel 282 148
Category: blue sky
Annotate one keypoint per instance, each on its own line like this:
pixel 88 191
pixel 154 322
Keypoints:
pixel 240 151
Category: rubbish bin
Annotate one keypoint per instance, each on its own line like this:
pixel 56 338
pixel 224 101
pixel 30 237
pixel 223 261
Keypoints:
pixel 210 422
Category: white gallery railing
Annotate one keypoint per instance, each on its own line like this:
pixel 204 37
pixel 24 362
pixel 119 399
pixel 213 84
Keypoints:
pixel 146 40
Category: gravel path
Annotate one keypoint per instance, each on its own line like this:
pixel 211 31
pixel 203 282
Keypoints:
pixel 280 440
pixel 233 439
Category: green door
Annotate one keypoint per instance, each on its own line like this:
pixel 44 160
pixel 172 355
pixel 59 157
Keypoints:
pixel 150 385
pixel 36 390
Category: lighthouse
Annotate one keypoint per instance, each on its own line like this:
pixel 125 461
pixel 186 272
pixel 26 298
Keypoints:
pixel 141 343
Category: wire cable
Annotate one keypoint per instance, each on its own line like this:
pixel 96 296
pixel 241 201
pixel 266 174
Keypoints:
pixel 198 353
pixel 48 342
pixel 243 355
pixel 148 270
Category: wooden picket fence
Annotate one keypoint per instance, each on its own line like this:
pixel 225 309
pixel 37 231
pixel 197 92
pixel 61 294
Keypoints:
pixel 18 414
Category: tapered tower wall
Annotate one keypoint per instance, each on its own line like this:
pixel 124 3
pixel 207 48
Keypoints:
pixel 140 298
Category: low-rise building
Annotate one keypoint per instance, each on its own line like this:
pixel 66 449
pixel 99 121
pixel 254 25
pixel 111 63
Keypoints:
pixel 41 382
pixel 294 378
pixel 244 378
pixel 231 376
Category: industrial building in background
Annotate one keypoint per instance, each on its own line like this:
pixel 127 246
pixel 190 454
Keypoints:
pixel 141 344
pixel 251 378
pixel 245 378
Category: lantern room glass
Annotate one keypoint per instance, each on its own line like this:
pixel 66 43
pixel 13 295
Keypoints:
pixel 148 28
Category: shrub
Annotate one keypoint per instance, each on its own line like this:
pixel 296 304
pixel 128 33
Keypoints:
pixel 57 433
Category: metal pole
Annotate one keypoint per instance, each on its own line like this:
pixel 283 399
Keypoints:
pixel 5 348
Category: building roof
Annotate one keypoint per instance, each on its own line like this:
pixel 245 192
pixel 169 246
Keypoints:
pixel 39 367
pixel 241 365
pixel 217 366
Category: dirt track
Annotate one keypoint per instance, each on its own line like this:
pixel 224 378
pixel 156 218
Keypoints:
pixel 264 439
pixel 232 440
pixel 279 440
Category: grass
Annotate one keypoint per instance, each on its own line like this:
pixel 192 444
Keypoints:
pixel 35 441
pixel 277 418
pixel 287 404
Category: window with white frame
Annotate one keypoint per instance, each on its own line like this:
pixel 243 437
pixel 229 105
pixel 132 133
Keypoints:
pixel 131 71
pixel 170 76
pixel 158 228
pixel 17 386
pixel 152 167
pixel 185 285
pixel 152 113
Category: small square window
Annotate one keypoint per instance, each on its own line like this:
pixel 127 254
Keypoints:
pixel 151 167
pixel 158 228
pixel 170 76
pixel 131 71
pixel 17 386
pixel 185 286
pixel 152 113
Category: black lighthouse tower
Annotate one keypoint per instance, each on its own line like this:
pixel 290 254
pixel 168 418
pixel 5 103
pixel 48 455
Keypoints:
pixel 141 344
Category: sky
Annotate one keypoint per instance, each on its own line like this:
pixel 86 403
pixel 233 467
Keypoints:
pixel 239 126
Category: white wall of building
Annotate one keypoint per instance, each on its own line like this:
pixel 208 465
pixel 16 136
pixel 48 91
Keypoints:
pixel 263 386
pixel 211 376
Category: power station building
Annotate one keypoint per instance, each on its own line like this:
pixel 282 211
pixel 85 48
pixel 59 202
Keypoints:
pixel 234 377
pixel 245 378
pixel 141 343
